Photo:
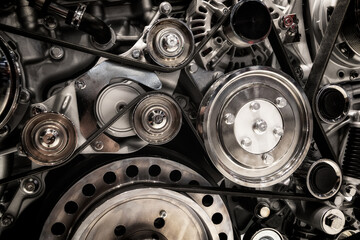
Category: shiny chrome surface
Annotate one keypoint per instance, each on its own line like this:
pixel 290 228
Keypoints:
pixel 264 164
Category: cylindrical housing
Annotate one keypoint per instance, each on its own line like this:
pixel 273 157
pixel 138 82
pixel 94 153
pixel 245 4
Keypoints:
pixel 250 23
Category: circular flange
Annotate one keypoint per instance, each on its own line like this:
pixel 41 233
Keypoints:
pixel 9 83
pixel 324 179
pixel 111 205
pixel 170 42
pixel 49 138
pixel 111 100
pixel 157 118
pixel 256 125
pixel 332 104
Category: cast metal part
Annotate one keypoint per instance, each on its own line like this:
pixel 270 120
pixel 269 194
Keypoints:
pixel 170 42
pixel 256 125
pixel 147 211
pixel 9 82
pixel 324 179
pixel 111 100
pixel 49 138
pixel 267 234
pixel 157 119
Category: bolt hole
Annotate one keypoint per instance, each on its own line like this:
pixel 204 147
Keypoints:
pixel 194 183
pixel 271 9
pixel 217 218
pixel 58 229
pixel 109 177
pixel 88 190
pixel 175 175
pixel 223 236
pixel 207 200
pixel 132 171
pixel 71 207
pixel 154 170
pixel 275 15
pixel 119 230
pixel 159 223
pixel 341 74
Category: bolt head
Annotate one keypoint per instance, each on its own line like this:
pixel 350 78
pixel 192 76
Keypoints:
pixel 136 53
pixel 56 52
pixel 278 132
pixel 80 84
pixel 264 212
pixel 229 118
pixel 7 220
pixel 98 146
pixel 163 214
pixel 255 106
pixel 267 158
pixel 165 8
pixel 260 126
pixel 246 142
pixel 281 102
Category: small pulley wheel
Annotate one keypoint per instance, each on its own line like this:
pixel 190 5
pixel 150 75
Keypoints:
pixel 157 119
pixel 49 138
pixel 170 42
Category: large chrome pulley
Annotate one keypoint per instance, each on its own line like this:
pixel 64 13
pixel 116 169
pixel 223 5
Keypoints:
pixel 111 203
pixel 256 124
pixel 9 83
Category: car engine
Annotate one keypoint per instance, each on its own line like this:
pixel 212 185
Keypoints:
pixel 193 119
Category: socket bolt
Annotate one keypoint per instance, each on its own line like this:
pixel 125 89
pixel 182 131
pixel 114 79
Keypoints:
pixel 31 185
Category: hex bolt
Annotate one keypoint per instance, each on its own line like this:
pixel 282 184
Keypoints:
pixel 163 214
pixel 31 185
pixel 80 84
pixel 246 142
pixel 255 106
pixel 281 102
pixel 165 8
pixel 229 118
pixel 267 158
pixel 24 96
pixel 7 220
pixel 278 132
pixel 193 67
pixel 136 53
pixel 338 200
pixel 98 146
pixel 181 101
pixel 260 126
pixel 56 52
pixel 333 221
pixel 349 191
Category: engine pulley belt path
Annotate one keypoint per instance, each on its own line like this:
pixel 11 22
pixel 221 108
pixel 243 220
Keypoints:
pixel 318 70
pixel 118 58
pixel 179 188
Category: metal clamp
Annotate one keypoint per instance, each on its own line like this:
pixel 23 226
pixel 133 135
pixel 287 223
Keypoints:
pixel 78 15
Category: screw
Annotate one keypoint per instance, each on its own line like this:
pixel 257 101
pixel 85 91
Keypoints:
pixel 229 118
pixel 267 158
pixel 254 106
pixel 98 145
pixel 349 191
pixel 260 126
pixel 56 52
pixel 7 220
pixel 193 68
pixel 278 132
pixel 225 10
pixel 31 185
pixel 333 221
pixel 37 110
pixel 24 96
pixel 280 102
pixel 136 53
pixel 165 8
pixel 80 84
pixel 246 142
pixel 163 214
pixel 50 22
